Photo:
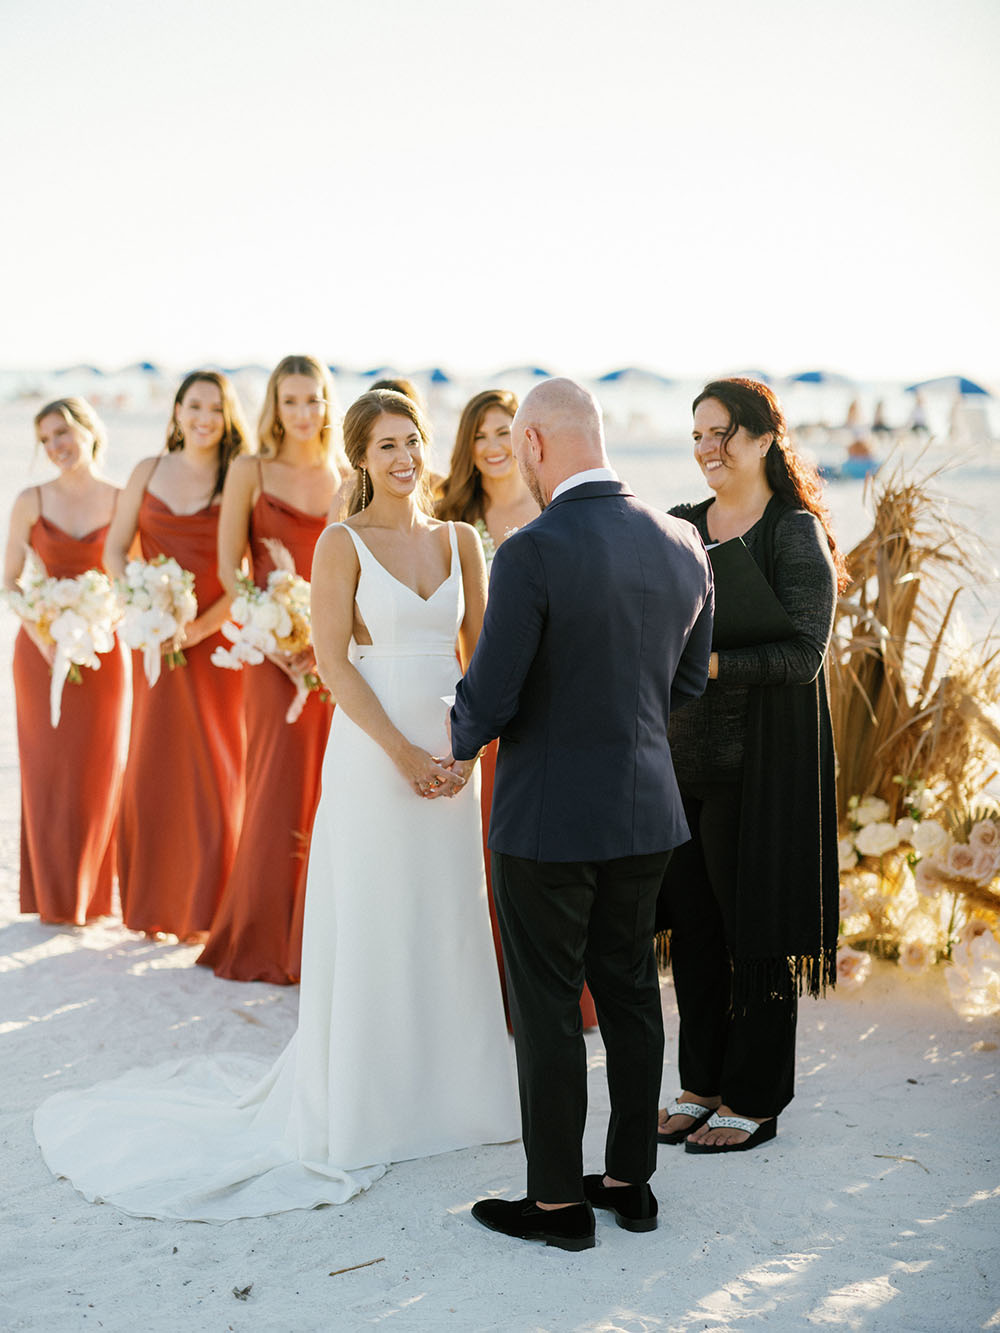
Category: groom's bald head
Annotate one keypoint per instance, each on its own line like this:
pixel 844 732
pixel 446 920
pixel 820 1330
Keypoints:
pixel 557 432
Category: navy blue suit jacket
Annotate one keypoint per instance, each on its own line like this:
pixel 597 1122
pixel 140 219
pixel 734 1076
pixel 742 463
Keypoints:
pixel 599 620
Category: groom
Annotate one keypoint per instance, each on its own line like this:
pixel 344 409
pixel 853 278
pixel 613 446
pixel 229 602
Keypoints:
pixel 599 621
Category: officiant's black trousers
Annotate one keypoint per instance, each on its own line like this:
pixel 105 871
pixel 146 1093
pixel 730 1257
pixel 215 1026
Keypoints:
pixel 562 923
pixel 747 1058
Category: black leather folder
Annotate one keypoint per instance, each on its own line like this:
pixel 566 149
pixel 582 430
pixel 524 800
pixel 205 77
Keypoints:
pixel 746 609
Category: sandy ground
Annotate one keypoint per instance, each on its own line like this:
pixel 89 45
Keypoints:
pixel 875 1208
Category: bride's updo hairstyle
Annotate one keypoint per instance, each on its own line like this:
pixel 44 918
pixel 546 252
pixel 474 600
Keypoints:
pixel 358 425
pixel 755 406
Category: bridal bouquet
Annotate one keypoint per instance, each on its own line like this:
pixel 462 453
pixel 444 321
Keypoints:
pixel 158 600
pixel 271 621
pixel 78 615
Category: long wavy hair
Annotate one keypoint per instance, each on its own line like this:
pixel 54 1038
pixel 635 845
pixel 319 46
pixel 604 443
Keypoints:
pixel 755 406
pixel 80 413
pixel 359 420
pixel 235 436
pixel 270 431
pixel 461 495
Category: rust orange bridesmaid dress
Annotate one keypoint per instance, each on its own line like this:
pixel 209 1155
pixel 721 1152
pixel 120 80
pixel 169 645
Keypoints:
pixel 71 774
pixel 182 799
pixel 257 932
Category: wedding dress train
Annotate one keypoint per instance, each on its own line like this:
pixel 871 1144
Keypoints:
pixel 401 1049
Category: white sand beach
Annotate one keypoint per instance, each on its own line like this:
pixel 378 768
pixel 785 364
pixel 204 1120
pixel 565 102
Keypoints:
pixel 876 1208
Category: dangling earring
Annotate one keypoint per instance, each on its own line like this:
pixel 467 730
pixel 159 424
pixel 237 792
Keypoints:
pixel 364 488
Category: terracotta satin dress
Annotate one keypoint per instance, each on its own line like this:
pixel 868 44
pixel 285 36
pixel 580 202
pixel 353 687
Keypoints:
pixel 182 800
pixel 70 776
pixel 257 932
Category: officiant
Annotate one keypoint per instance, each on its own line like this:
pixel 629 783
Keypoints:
pixel 751 901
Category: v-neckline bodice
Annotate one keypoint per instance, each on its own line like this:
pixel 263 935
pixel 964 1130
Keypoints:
pixel 444 582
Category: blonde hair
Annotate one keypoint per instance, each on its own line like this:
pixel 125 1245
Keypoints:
pixel 270 431
pixel 80 413
pixel 358 423
pixel 235 436
pixel 461 496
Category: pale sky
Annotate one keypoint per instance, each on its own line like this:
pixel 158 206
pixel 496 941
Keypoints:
pixel 581 184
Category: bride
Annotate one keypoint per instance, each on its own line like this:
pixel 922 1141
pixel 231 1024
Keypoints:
pixel 401 1049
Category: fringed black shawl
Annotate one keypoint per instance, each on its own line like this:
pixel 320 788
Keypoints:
pixel 788 878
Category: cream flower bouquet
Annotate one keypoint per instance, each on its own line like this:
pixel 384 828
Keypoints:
pixel 923 890
pixel 272 621
pixel 77 615
pixel 158 600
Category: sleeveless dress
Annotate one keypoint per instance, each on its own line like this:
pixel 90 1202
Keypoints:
pixel 257 931
pixel 401 1049
pixel 182 800
pixel 70 775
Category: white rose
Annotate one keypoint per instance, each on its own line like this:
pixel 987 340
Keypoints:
pixel 847 854
pixel 848 900
pixel 266 615
pixel 876 839
pixel 853 968
pixel 872 810
pixel 916 955
pixel 929 838
pixel 961 859
pixel 905 827
pixel 985 833
pixel 929 878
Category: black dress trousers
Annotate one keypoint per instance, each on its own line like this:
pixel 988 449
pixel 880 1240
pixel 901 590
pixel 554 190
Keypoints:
pixel 562 923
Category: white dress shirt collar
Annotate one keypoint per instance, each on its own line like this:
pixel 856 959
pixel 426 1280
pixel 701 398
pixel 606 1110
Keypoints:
pixel 581 479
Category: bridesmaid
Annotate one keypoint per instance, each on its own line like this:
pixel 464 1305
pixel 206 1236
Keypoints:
pixel 183 795
pixel 484 487
pixel 283 494
pixel 70 776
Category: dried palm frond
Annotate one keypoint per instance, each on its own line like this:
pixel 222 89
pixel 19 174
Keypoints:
pixel 907 702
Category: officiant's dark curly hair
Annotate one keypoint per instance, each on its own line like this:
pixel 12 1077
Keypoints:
pixel 755 406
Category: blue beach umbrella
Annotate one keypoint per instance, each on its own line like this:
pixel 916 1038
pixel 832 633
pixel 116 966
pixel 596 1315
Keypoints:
pixel 633 373
pixel 761 376
pixel 536 372
pixel 950 384
pixel 828 377
pixel 80 370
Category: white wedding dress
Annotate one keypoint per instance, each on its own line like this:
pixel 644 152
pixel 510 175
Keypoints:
pixel 401 1049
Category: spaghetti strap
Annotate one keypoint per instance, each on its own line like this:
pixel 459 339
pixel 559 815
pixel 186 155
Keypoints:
pixel 38 496
pixel 260 473
pixel 152 470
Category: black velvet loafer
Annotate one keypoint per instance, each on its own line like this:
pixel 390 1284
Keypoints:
pixel 569 1228
pixel 634 1206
